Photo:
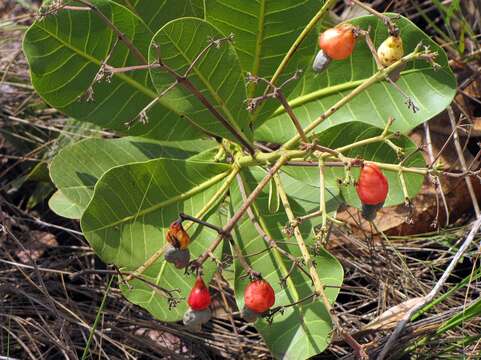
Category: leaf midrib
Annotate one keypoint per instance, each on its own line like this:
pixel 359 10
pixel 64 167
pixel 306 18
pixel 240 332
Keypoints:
pixel 135 84
pixel 182 196
pixel 319 94
pixel 259 39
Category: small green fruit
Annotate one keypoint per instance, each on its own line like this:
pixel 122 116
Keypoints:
pixel 391 50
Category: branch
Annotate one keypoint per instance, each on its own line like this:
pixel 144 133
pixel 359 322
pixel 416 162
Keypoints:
pixel 434 292
pixel 236 217
pixel 271 243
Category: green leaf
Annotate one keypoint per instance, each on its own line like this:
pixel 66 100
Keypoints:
pixel 65 51
pixel 305 329
pixel 76 169
pixel 264 31
pixel 346 134
pixel 217 75
pixel 432 91
pixel 274 198
pixel 39 172
pixel 62 206
pixel 130 212
pixel 156 14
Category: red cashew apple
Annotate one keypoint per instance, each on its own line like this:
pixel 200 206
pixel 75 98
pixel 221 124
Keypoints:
pixel 199 297
pixel 372 188
pixel 338 43
pixel 259 296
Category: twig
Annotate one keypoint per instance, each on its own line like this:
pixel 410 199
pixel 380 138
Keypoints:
pixel 462 160
pixel 133 49
pixel 190 87
pixel 404 188
pixel 179 79
pixel 194 219
pixel 240 257
pixel 322 200
pixel 277 94
pixel 320 148
pixel 434 292
pixel 281 308
pixel 165 292
pixel 243 261
pixel 318 285
pixel 298 221
pixel 438 186
pixel 408 100
pixel 392 28
pixel 328 4
pixel 238 254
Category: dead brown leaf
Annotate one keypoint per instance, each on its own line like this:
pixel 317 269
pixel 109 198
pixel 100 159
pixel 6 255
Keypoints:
pixel 36 246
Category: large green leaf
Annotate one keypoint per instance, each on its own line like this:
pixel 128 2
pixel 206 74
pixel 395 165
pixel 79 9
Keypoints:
pixel 264 31
pixel 302 330
pixel 217 75
pixel 346 134
pixel 156 14
pixel 76 169
pixel 131 210
pixel 65 52
pixel 431 90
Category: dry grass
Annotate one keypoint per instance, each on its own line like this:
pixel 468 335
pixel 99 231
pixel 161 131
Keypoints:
pixel 50 300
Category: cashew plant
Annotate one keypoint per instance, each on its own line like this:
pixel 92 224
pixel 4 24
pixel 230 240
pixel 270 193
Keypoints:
pixel 225 129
